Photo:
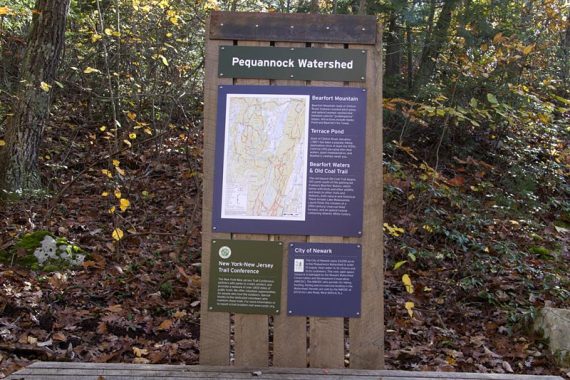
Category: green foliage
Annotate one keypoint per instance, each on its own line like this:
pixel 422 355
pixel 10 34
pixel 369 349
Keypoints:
pixel 166 289
pixel 22 253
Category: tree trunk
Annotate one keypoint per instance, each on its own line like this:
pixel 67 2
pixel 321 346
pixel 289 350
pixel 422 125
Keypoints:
pixel 18 161
pixel 362 5
pixel 410 57
pixel 433 46
pixel 565 45
pixel 393 47
pixel 314 7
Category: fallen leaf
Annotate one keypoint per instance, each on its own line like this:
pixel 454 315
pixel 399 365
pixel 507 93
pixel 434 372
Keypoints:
pixel 491 353
pixel 102 328
pixel 89 70
pixel 456 181
pixel 124 204
pixel 408 283
pixel 410 308
pixel 507 367
pixel 399 264
pixel 181 313
pixel 118 234
pixel 140 352
pixel 59 337
pixel 115 308
pixel 44 86
pixel 166 324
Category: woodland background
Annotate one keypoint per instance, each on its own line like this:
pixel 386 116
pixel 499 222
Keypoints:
pixel 476 169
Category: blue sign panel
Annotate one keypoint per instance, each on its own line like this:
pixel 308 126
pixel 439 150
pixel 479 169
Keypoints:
pixel 324 280
pixel 289 160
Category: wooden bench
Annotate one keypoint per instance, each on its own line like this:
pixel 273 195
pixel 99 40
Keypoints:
pixel 118 371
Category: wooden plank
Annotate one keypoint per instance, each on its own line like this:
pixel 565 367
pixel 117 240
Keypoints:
pixel 367 332
pixel 115 371
pixel 251 331
pixel 214 327
pixel 289 333
pixel 326 335
pixel 292 27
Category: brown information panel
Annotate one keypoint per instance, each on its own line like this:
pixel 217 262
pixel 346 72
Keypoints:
pixel 245 276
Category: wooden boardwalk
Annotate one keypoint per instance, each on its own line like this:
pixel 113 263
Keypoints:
pixel 118 371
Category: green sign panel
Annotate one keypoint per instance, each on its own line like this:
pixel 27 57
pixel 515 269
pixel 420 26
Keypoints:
pixel 292 63
pixel 245 276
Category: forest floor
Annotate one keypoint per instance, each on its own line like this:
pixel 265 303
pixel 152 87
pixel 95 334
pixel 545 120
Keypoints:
pixel 480 272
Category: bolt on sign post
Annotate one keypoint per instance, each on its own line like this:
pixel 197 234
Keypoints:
pixel 292 211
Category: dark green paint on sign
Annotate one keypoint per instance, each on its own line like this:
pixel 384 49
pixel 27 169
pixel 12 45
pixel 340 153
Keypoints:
pixel 292 63
pixel 245 276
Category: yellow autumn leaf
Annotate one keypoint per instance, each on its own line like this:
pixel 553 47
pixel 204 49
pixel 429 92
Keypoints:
pixel 211 5
pixel 399 264
pixel 174 21
pixel 528 49
pixel 393 230
pixel 131 115
pixel 111 210
pixel 132 136
pixel 136 4
pixel 124 204
pixel 107 173
pixel 4 11
pixel 109 31
pixel 105 194
pixel 44 86
pixel 410 308
pixel 102 128
pixel 408 283
pixel 2 142
pixel 148 131
pixel 163 59
pixel 117 234
pixel 116 163
pixel 118 194
pixel 89 70
pixel 95 37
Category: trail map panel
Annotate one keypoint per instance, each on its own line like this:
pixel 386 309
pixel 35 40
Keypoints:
pixel 289 160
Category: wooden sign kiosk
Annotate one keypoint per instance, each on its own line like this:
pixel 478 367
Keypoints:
pixel 281 340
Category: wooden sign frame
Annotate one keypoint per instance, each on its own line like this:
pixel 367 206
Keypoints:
pixel 247 340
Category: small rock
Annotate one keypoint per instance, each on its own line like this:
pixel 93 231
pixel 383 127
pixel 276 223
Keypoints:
pixel 554 324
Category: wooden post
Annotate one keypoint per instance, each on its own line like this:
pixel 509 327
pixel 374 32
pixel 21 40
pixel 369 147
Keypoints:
pixel 320 342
